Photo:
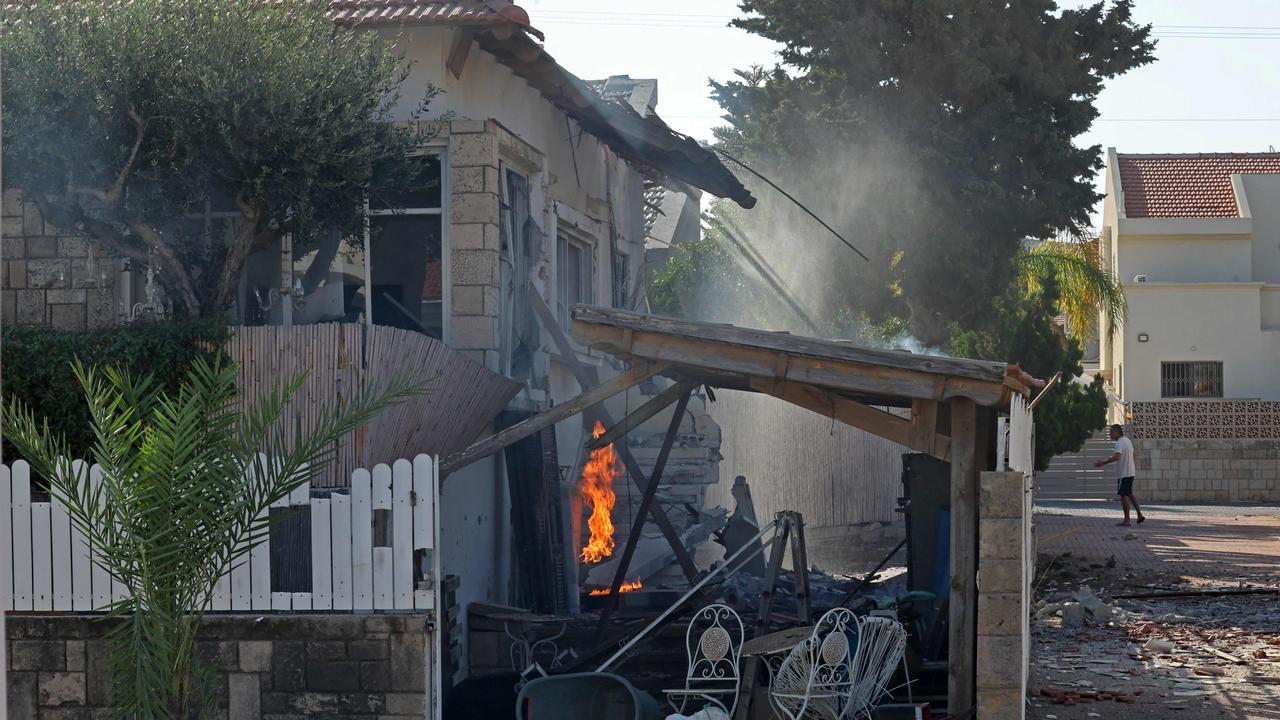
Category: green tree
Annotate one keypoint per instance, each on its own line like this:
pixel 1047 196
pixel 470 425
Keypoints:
pixel 936 136
pixel 185 484
pixel 124 118
pixel 1088 289
pixel 1022 331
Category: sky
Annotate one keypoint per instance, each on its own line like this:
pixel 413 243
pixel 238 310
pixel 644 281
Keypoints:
pixel 1215 86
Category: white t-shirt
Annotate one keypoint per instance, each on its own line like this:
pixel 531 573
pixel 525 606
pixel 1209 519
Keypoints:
pixel 1124 466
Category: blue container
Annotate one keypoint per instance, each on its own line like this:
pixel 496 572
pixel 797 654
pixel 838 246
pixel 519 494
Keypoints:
pixel 585 696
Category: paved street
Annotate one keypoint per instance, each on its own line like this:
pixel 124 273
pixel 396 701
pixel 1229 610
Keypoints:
pixel 1217 543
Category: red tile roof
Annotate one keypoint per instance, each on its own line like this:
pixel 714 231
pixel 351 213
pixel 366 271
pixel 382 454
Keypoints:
pixel 1187 186
pixel 429 12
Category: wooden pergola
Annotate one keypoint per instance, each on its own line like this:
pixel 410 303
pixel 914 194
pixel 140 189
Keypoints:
pixel 952 404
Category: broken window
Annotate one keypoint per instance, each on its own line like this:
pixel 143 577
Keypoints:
pixel 621 271
pixel 574 260
pixel 1188 379
pixel 519 240
pixel 405 265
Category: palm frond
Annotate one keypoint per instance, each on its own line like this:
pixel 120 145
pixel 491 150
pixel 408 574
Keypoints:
pixel 1088 290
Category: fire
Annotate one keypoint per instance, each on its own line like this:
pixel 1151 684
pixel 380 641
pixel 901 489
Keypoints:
pixel 626 587
pixel 597 488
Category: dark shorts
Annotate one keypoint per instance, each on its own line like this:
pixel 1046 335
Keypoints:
pixel 1124 487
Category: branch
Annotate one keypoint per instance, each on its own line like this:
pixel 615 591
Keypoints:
pixel 111 197
pixel 75 218
pixel 182 282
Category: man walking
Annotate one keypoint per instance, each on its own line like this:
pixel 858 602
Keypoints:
pixel 1123 458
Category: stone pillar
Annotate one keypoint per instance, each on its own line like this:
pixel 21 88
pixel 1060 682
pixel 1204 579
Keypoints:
pixel 474 214
pixel 1003 595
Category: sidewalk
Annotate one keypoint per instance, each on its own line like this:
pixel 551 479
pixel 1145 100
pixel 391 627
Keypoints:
pixel 1218 543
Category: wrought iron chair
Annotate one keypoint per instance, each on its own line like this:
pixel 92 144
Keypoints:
pixel 714 644
pixel 882 645
pixel 814 682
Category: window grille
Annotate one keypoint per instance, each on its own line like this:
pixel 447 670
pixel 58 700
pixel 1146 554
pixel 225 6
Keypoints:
pixel 1191 379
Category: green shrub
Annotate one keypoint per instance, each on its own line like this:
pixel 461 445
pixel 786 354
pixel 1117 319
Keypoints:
pixel 37 366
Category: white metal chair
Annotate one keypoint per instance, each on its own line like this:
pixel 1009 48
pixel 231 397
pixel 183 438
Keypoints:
pixel 713 642
pixel 882 644
pixel 815 680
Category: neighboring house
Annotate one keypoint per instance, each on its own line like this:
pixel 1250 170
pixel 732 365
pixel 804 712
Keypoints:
pixel 1195 241
pixel 542 183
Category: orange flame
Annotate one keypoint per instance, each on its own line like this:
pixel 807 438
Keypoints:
pixel 597 488
pixel 626 587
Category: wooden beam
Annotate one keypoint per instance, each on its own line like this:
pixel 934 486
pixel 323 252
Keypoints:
pixel 856 414
pixel 924 422
pixel 459 49
pixel 642 513
pixel 524 429
pixel 761 362
pixel 651 407
pixel 962 624
pixel 587 377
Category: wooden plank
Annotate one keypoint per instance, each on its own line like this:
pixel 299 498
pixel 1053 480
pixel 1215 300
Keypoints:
pixel 280 600
pixel 963 597
pixel 651 407
pixel 101 581
pixel 20 504
pixel 402 534
pixel 592 396
pixel 584 317
pixel 383 578
pixel 855 414
pixel 60 547
pixel 361 540
pixel 424 510
pixel 81 570
pixel 321 556
pixel 340 534
pixel 800 565
pixel 41 557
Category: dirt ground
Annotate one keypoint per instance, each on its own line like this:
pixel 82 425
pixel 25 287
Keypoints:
pixel 1154 657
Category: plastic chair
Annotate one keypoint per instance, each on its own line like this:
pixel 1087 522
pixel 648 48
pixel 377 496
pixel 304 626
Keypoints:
pixel 882 644
pixel 713 643
pixel 815 681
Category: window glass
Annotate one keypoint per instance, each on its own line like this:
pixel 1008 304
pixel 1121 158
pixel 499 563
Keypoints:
pixel 328 281
pixel 406 272
pixel 575 285
pixel 258 302
pixel 423 191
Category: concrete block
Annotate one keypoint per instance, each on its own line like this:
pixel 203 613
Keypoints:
pixel 999 662
pixel 72 246
pixel 326 650
pixel 406 704
pixel 255 655
pixel 999 613
pixel 333 676
pixel 999 703
pixel 375 675
pixel 31 307
pixel 75 655
pixel 100 309
pixel 42 246
pixel 38 655
pixel 16 274
pixel 48 273
pixel 367 650
pixel 480 148
pixel 61 688
pixel 474 207
pixel 475 332
pixel 467 179
pixel 11 228
pixel 67 317
pixel 65 297
pixel 1000 539
pixel 408 662
pixel 245 696
pixel 8 307
pixel 466 125
pixel 999 576
pixel 1000 495
pixel 475 267
pixel 32 220
pixel 288 666
pixel 86 274
pixel 468 300
pixel 22 695
pixel 97 673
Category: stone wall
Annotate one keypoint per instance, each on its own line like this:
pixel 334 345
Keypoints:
pixel 51 276
pixel 1003 595
pixel 1222 470
pixel 272 667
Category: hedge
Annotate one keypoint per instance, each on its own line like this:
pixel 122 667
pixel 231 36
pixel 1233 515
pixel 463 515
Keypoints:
pixel 37 365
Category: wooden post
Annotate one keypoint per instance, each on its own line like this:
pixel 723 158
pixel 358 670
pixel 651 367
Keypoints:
pixel 751 667
pixel 963 600
pixel 633 538
pixel 588 377
pixel 800 563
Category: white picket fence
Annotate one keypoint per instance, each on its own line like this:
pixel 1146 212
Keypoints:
pixel 54 569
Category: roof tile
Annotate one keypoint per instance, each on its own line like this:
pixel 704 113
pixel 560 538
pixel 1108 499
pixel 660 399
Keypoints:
pixel 1187 186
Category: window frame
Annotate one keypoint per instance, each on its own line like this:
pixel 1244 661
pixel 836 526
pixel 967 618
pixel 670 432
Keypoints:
pixel 1190 376
pixel 587 247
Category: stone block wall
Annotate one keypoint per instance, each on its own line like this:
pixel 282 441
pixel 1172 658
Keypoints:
pixel 1003 596
pixel 52 276
pixel 1213 470
pixel 273 667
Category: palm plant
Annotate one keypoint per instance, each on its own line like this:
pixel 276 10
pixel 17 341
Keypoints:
pixel 186 481
pixel 1087 287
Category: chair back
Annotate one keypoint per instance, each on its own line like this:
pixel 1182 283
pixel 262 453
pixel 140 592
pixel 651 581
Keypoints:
pixel 816 678
pixel 882 643
pixel 713 642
